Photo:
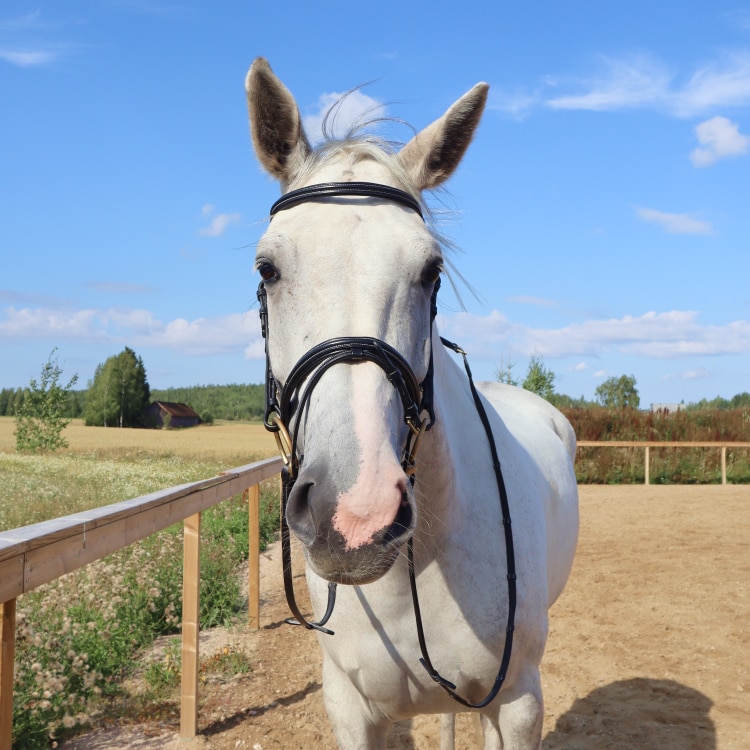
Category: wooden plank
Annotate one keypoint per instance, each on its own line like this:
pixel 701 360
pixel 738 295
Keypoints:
pixel 253 580
pixel 7 665
pixel 191 562
pixel 11 579
pixel 82 543
pixel 18 541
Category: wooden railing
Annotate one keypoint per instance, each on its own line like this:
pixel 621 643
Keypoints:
pixel 648 444
pixel 42 552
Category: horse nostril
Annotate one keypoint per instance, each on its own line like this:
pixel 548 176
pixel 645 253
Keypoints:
pixel 299 513
pixel 402 524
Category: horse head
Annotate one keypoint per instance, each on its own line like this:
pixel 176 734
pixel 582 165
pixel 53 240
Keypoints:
pixel 353 267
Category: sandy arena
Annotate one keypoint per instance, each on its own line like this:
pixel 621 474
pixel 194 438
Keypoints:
pixel 649 645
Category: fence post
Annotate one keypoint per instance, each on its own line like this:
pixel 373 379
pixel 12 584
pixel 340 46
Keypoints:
pixel 647 463
pixel 191 581
pixel 253 558
pixel 7 667
pixel 723 464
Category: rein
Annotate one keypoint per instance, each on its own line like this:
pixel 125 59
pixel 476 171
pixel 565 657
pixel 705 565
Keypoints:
pixel 288 402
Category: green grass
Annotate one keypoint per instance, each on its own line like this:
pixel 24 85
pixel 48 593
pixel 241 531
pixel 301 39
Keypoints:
pixel 78 637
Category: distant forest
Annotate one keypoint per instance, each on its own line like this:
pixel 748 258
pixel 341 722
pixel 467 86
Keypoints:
pixel 228 402
pixel 247 402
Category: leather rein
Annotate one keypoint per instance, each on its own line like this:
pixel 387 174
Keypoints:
pixel 286 405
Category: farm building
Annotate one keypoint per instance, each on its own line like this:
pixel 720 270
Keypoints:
pixel 166 413
pixel 667 408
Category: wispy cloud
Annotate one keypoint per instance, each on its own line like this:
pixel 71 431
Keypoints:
pixel 24 42
pixel 640 81
pixel 135 327
pixel 218 224
pixel 720 138
pixel 674 223
pixel 657 335
pixel 120 287
pixel 341 112
pixel 522 299
pixel 27 58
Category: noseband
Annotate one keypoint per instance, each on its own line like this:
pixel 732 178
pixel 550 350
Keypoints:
pixel 287 403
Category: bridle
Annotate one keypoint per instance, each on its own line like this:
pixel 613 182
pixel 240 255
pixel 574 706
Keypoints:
pixel 287 403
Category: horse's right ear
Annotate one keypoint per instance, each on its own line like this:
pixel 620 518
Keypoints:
pixel 275 123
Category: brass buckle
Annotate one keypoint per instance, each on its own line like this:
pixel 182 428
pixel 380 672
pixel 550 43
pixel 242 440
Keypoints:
pixel 410 458
pixel 283 441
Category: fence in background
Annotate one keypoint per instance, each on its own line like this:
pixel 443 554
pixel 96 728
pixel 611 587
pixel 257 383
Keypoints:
pixel 648 444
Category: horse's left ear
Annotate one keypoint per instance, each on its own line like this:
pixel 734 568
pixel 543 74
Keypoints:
pixel 433 154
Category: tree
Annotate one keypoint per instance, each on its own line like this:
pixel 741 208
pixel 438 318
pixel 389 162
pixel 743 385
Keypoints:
pixel 39 420
pixel 539 379
pixel 504 372
pixel 119 393
pixel 618 393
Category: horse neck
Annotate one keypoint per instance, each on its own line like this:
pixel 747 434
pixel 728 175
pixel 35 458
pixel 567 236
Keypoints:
pixel 448 456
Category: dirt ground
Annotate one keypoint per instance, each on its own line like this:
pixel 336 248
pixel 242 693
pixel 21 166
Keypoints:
pixel 649 645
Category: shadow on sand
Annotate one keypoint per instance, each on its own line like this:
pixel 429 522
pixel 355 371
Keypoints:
pixel 637 713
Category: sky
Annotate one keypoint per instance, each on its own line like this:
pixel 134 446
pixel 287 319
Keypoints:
pixel 602 212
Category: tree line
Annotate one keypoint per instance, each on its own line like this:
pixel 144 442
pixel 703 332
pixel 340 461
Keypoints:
pixel 119 395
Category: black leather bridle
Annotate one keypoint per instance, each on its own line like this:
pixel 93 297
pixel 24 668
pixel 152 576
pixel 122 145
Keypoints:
pixel 286 405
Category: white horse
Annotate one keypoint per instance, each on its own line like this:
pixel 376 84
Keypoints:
pixel 361 266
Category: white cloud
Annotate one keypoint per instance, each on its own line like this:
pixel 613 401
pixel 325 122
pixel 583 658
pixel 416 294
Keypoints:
pixel 720 138
pixel 344 111
pixel 641 81
pixel 28 58
pixel 134 327
pixel 674 223
pixel 653 335
pixel 523 299
pixel 219 224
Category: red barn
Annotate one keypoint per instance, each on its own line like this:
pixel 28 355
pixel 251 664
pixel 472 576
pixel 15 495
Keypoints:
pixel 165 413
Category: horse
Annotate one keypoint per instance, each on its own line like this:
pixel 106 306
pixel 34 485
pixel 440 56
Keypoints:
pixel 426 499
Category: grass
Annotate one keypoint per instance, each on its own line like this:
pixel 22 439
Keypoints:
pixel 78 636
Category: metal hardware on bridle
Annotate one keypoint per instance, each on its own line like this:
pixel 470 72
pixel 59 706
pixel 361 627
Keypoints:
pixel 288 402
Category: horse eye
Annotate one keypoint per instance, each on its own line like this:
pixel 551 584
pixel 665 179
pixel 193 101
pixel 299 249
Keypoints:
pixel 432 273
pixel 267 271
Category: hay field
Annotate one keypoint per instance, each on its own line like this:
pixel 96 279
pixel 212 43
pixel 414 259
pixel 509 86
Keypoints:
pixel 108 465
pixel 237 442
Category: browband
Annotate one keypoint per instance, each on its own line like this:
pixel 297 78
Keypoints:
pixel 358 189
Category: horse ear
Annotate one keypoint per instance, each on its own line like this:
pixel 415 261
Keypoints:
pixel 433 154
pixel 275 123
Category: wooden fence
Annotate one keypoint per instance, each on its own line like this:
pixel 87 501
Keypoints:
pixel 648 444
pixel 42 552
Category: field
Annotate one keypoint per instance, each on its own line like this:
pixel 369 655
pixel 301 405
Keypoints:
pixel 235 442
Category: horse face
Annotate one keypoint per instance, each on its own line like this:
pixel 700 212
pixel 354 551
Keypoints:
pixel 350 267
pixel 336 268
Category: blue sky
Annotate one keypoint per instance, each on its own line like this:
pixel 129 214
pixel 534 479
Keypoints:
pixel 602 210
